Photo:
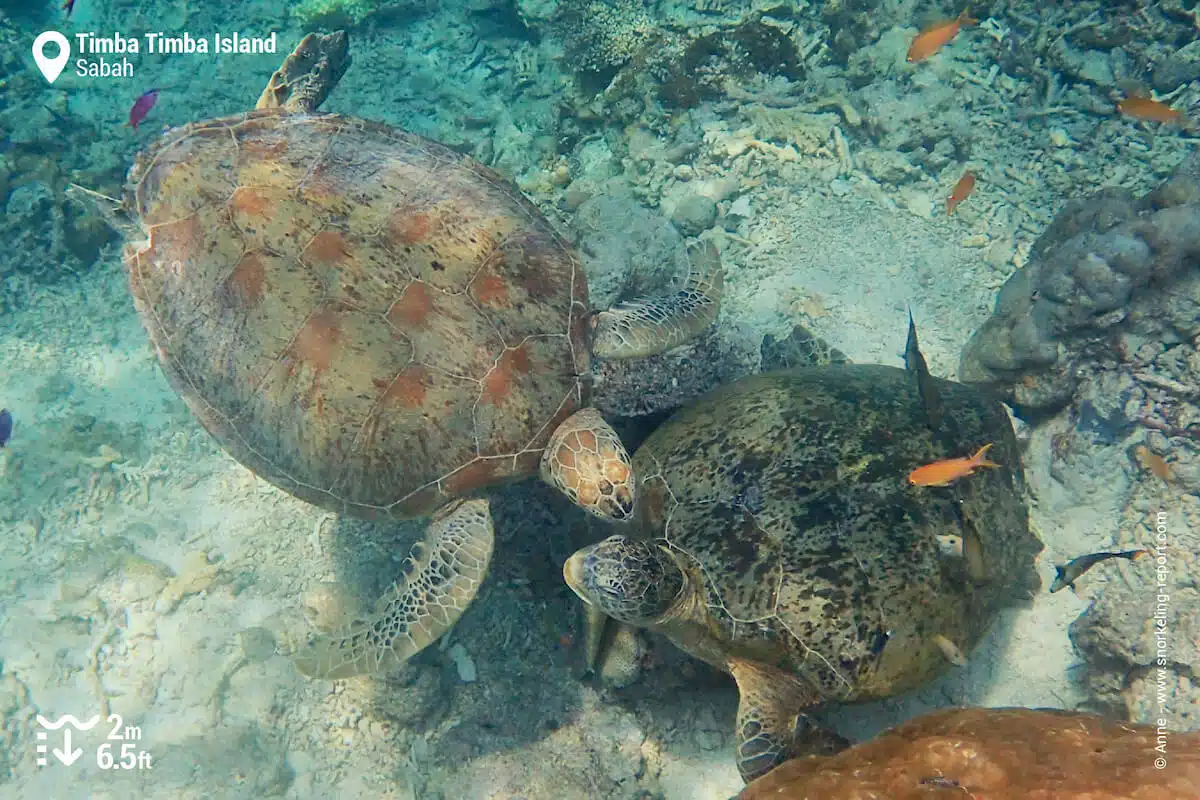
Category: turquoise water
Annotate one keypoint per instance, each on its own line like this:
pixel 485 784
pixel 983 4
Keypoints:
pixel 160 573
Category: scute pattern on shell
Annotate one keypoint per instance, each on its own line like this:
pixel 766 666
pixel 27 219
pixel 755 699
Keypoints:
pixel 788 493
pixel 362 316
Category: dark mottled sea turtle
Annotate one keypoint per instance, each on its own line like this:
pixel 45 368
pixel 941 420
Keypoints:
pixel 383 327
pixel 779 540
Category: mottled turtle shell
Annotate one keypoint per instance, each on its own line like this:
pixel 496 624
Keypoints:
pixel 361 316
pixel 787 494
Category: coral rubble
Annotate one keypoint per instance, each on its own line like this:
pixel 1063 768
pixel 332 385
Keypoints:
pixel 1111 271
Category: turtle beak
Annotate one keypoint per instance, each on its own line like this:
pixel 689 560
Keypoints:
pixel 617 498
pixel 620 505
pixel 573 574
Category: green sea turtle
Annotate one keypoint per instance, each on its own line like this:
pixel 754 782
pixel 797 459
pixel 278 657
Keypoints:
pixel 778 539
pixel 383 327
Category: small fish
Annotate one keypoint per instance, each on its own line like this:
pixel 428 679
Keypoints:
pixel 141 107
pixel 962 190
pixel 880 641
pixel 5 426
pixel 950 650
pixel 913 360
pixel 1153 462
pixel 1073 570
pixel 972 547
pixel 968 546
pixel 926 387
pixel 948 470
pixel 1149 109
pixel 936 36
pixel 68 6
pixel 950 544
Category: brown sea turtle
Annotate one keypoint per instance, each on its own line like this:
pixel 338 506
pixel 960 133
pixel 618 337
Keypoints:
pixel 383 327
pixel 778 539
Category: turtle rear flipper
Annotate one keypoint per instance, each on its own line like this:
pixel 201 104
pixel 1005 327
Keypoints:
pixel 771 725
pixel 650 325
pixel 443 574
pixel 308 74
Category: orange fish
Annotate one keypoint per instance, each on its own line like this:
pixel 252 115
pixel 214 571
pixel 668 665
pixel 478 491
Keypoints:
pixel 948 470
pixel 937 36
pixel 1153 462
pixel 1149 109
pixel 962 190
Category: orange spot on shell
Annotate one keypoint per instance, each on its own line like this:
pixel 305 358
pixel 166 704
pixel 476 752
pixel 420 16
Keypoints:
pixel 412 308
pixel 519 358
pixel 317 342
pixel 250 202
pixel 247 279
pixel 174 243
pixel 405 227
pixel 498 383
pixel 407 389
pixel 473 476
pixel 491 290
pixel 321 186
pixel 328 247
pixel 263 149
pixel 533 280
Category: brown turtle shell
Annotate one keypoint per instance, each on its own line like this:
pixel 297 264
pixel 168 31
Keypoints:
pixel 363 317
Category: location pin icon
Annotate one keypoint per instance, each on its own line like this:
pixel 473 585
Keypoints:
pixel 51 67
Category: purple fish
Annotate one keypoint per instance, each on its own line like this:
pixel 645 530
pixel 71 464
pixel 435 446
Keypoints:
pixel 5 426
pixel 141 107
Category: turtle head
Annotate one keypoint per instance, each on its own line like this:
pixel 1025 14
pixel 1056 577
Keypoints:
pixel 586 461
pixel 631 580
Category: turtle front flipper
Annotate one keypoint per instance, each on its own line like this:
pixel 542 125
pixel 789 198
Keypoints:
pixel 650 325
pixel 442 575
pixel 596 626
pixel 586 461
pixel 771 724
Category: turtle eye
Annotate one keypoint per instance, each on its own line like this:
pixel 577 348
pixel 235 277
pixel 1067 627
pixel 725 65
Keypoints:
pixel 602 579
